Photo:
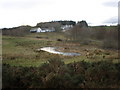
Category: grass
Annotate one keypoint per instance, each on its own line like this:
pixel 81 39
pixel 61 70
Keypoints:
pixel 24 62
pixel 24 66
pixel 21 51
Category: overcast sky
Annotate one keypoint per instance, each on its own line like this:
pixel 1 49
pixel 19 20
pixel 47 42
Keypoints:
pixel 119 13
pixel 30 12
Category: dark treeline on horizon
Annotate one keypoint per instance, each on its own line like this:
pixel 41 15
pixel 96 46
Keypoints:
pixel 61 22
pixel 67 22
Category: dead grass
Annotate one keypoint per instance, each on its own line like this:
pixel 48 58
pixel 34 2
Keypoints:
pixel 22 50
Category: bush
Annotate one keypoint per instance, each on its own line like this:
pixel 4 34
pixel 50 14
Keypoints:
pixel 74 75
pixel 102 73
pixel 111 39
pixel 108 35
pixel 79 34
pixel 16 31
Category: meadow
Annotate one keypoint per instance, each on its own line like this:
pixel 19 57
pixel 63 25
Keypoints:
pixel 23 50
pixel 20 54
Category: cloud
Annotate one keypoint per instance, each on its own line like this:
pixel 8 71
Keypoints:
pixel 119 4
pixel 119 12
pixel 112 20
pixel 22 4
pixel 19 12
pixel 112 3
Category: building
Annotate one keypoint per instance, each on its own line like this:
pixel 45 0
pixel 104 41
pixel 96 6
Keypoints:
pixel 34 30
pixel 38 30
pixel 66 27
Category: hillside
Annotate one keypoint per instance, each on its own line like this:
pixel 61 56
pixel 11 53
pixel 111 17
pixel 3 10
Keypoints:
pixel 97 66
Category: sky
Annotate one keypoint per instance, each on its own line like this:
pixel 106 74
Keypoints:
pixel 119 12
pixel 15 13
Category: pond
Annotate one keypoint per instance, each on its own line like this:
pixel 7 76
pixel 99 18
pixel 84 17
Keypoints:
pixel 53 50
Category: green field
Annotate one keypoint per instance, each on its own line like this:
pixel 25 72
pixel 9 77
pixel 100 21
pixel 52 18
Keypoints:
pixel 98 66
pixel 21 51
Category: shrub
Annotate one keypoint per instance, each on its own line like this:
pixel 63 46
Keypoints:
pixel 74 75
pixel 102 73
pixel 17 31
pixel 111 39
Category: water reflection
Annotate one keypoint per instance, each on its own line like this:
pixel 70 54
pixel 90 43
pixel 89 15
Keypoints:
pixel 53 50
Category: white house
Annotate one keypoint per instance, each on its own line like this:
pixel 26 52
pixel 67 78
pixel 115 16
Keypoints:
pixel 48 29
pixel 34 30
pixel 66 27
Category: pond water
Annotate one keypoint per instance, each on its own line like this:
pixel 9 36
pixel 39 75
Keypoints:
pixel 53 50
